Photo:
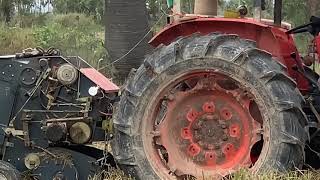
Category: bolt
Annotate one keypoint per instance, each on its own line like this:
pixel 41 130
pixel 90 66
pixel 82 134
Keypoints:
pixel 10 65
pixel 210 133
pixel 28 70
pixel 2 72
pixel 12 75
pixel 23 79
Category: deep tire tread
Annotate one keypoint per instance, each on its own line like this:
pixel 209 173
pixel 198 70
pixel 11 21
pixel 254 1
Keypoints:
pixel 287 99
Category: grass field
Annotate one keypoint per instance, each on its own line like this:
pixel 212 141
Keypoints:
pixel 242 175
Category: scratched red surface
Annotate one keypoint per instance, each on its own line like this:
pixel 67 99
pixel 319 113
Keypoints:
pixel 99 79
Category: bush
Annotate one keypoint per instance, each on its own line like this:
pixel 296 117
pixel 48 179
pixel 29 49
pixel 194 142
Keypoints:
pixel 13 39
pixel 73 34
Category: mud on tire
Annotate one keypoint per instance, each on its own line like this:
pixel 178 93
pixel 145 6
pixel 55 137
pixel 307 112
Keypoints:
pixel 277 98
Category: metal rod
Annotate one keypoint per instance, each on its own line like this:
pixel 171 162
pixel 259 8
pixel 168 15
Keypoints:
pixel 64 119
pixel 278 12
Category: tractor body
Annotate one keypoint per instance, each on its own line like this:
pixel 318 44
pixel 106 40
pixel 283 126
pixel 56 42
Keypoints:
pixel 216 95
pixel 268 37
pixel 220 94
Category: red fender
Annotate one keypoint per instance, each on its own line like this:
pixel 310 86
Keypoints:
pixel 273 39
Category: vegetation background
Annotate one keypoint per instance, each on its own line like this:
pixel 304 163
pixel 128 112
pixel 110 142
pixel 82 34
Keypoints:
pixel 77 27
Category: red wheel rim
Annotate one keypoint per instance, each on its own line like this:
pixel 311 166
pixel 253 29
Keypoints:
pixel 202 126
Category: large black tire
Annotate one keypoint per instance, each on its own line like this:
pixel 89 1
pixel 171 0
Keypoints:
pixel 284 120
pixel 8 171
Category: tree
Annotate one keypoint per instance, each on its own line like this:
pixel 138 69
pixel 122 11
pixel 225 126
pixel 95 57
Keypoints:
pixel 6 10
pixel 88 7
pixel 126 25
pixel 313 6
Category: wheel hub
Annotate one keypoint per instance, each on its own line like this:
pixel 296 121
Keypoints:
pixel 207 130
pixel 206 133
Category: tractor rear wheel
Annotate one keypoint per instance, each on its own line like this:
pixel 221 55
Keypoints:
pixel 209 106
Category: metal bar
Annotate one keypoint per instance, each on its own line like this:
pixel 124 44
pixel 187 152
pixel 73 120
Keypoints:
pixel 278 12
pixel 64 119
pixel 54 111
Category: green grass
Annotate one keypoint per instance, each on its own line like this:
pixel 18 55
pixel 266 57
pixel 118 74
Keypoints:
pixel 114 174
pixel 296 175
pixel 117 174
pixel 73 34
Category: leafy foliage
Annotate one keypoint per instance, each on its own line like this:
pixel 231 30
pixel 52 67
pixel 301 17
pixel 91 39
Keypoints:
pixel 73 34
pixel 94 8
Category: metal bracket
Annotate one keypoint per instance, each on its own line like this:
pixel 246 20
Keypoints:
pixel 13 132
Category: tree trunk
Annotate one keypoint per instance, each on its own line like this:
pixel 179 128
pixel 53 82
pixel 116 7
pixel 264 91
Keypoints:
pixel 6 10
pixel 126 24
pixel 313 6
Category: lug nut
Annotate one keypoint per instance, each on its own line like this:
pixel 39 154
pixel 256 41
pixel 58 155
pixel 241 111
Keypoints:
pixel 210 133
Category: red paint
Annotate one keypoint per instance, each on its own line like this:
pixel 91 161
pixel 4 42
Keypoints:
pixel 208 107
pixel 207 128
pixel 272 39
pixel 99 79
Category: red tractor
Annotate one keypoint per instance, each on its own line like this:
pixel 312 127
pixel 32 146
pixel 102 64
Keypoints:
pixel 217 95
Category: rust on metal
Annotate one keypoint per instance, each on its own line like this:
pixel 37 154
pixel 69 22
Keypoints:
pixel 207 127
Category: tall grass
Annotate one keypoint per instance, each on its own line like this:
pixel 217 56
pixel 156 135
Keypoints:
pixel 115 174
pixel 73 34
pixel 14 39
